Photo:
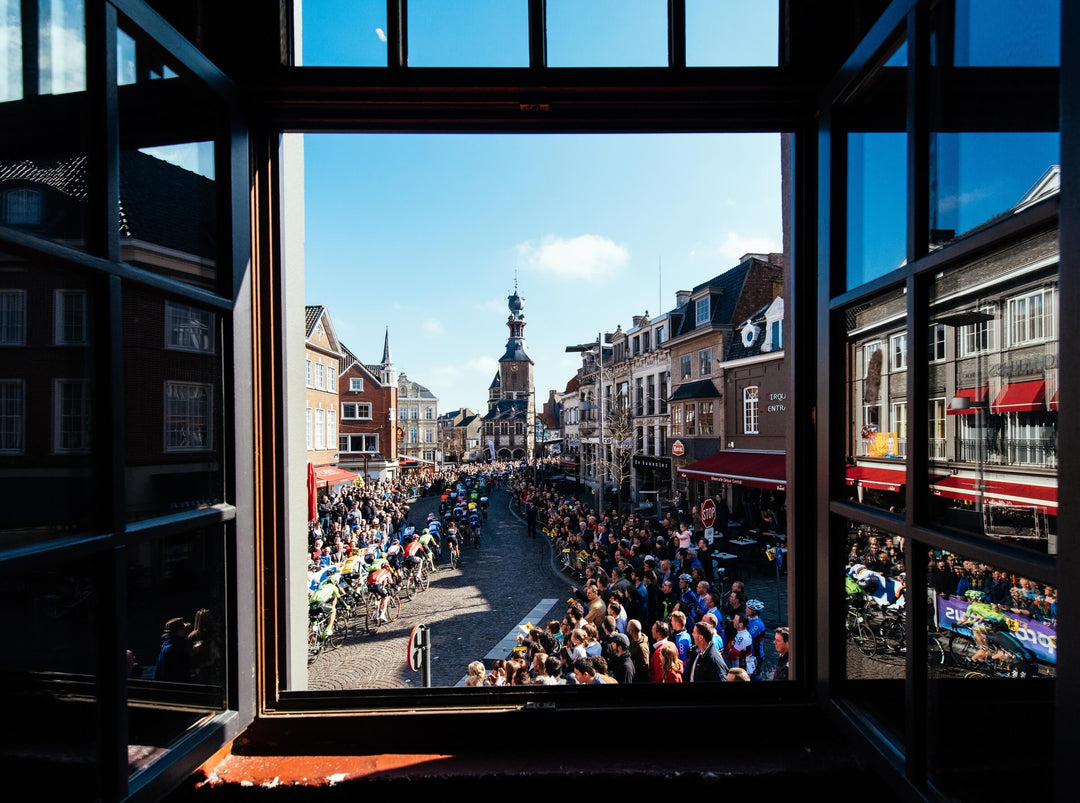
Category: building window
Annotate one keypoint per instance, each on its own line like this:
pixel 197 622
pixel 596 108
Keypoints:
pixel 23 207
pixel 12 318
pixel 320 429
pixel 356 410
pixel 650 397
pixel 70 318
pixel 308 374
pixel 898 424
pixel 188 328
pixel 637 345
pixel 414 436
pixel 639 396
pixel 979 337
pixel 429 455
pixel 777 335
pixel 331 428
pixel 705 362
pixel 429 413
pixel 750 410
pixel 188 417
pixel 650 437
pixel 331 379
pixel 691 419
pixel 898 352
pixel 644 341
pixel 659 335
pixel 936 414
pixel 705 418
pixel 12 416
pixel 356 384
pixel 676 419
pixel 665 390
pixel 936 343
pixel 320 376
pixel 685 368
pixel 309 421
pixel 429 436
pixel 414 414
pixel 72 415
pixel 701 316
pixel 1031 317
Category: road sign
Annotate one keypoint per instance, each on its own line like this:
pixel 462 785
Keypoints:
pixel 708 512
pixel 678 449
pixel 415 652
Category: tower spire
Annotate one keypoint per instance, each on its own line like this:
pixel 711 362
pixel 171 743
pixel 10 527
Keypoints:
pixel 386 360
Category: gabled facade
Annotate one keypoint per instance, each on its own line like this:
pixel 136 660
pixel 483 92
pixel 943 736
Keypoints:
pixel 367 440
pixel 322 354
pixel 417 427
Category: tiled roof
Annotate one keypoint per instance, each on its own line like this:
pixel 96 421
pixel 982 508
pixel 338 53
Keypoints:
pixel 311 316
pixel 67 175
pixel 505 409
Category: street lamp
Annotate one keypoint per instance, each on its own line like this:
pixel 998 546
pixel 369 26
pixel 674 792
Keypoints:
pixel 599 352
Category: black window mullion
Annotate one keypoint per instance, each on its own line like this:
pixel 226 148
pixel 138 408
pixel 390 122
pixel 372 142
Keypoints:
pixel 397 34
pixel 676 33
pixel 31 25
pixel 538 34
pixel 103 137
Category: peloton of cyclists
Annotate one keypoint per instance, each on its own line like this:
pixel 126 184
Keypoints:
pixel 379 580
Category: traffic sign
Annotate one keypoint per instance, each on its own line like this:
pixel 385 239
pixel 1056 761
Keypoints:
pixel 415 652
pixel 708 513
pixel 678 449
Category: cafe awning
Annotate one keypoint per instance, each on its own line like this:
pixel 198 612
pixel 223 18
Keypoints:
pixel 755 469
pixel 975 397
pixel 1053 405
pixel 1020 397
pixel 998 492
pixel 878 478
pixel 332 475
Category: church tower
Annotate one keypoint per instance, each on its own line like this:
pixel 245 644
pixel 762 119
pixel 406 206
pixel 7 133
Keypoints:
pixel 510 422
pixel 515 367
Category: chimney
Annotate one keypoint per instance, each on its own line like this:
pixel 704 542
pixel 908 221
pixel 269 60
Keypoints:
pixel 682 298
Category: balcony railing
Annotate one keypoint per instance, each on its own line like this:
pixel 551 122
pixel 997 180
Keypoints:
pixel 1040 452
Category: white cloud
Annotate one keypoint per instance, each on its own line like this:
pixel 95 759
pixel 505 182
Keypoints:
pixel 433 326
pixel 736 245
pixel 379 32
pixel 587 256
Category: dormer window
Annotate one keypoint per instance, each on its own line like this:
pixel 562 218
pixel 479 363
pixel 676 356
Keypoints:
pixel 23 207
pixel 701 307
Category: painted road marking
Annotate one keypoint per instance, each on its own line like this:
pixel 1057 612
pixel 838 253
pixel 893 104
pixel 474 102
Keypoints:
pixel 506 645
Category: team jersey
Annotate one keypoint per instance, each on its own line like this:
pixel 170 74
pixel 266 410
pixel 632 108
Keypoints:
pixel 381 575
pixel 413 548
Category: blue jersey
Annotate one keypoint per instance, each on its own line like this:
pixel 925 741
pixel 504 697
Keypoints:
pixel 474 519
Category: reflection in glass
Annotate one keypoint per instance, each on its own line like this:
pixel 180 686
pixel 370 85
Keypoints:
pixel 986 624
pixel 877 398
pixel 336 34
pixel 977 176
pixel 998 33
pixel 169 221
pixel 730 33
pixel 177 639
pixel 174 432
pixel 50 667
pixel 607 33
pixel 46 407
pixel 994 466
pixel 877 205
pixel 468 33
pixel 62 47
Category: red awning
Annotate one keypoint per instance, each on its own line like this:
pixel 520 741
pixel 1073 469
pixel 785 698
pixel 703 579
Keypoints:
pixel 880 478
pixel 998 492
pixel 332 475
pixel 1053 405
pixel 1020 397
pixel 735 467
pixel 977 396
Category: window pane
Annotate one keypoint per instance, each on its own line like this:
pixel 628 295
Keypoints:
pixel 1000 629
pixel 877 209
pixel 173 419
pixel 337 34
pixel 177 639
pixel 731 33
pixel 469 33
pixel 46 408
pixel 50 665
pixel 999 33
pixel 169 211
pixel 994 471
pixel 607 33
pixel 877 393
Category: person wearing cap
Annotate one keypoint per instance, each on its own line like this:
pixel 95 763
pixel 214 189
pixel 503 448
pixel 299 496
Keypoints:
pixel 621 666
pixel 174 658
pixel 756 627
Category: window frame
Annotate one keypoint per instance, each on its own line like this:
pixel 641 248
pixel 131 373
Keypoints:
pixel 702 310
pixel 208 403
pixel 686 366
pixel 705 362
pixel 18 417
pixel 58 417
pixel 171 344
pixel 18 328
pixel 62 298
pixel 356 384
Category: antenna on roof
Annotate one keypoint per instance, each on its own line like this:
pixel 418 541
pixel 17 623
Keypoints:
pixel 660 279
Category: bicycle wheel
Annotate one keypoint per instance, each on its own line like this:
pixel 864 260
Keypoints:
pixel 393 608
pixel 454 559
pixel 337 638
pixel 962 648
pixel 865 639
pixel 935 653
pixel 314 642
pixel 425 580
pixel 372 618
pixel 892 633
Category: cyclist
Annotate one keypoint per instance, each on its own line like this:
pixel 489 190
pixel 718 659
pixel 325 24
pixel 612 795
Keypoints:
pixel 453 541
pixel 430 544
pixel 483 507
pixel 990 630
pixel 325 600
pixel 379 581
pixel 474 527
pixel 414 557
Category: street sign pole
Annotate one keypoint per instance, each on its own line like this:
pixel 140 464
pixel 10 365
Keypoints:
pixel 418 654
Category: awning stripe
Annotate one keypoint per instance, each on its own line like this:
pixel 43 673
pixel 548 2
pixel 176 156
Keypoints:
pixel 1020 397
pixel 767 470
pixel 1009 494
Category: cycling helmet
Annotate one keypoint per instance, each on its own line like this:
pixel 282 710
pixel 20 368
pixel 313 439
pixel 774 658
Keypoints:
pixel 755 605
pixel 425 531
pixel 369 559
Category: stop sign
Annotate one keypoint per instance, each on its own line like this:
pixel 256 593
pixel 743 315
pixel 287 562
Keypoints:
pixel 708 512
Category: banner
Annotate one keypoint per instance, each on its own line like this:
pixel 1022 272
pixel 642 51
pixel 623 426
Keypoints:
pixel 1039 637
pixel 491 449
pixel 881 444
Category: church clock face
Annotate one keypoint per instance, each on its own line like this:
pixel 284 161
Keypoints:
pixel 514 368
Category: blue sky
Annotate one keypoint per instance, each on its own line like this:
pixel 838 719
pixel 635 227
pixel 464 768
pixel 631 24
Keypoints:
pixel 426 234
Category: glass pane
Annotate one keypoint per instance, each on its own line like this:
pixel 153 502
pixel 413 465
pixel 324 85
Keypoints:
pixel 877 205
pixel 998 33
pixel 607 33
pixel 43 176
pixel 174 434
pixel 1000 629
pixel 994 435
pixel 468 33
pixel 977 176
pixel 730 33
pixel 177 639
pixel 876 393
pixel 170 220
pixel 50 666
pixel 342 34
pixel 876 649
pixel 46 405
